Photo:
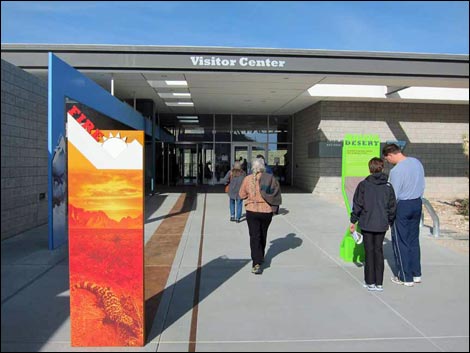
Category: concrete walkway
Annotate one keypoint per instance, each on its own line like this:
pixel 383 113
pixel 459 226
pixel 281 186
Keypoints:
pixel 307 298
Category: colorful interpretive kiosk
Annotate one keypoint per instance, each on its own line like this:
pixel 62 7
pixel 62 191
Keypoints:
pixel 105 226
pixel 357 151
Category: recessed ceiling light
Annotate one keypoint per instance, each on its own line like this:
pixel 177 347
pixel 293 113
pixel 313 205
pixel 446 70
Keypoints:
pixel 338 90
pixel 434 93
pixel 194 131
pixel 187 117
pixel 176 83
pixel 166 84
pixel 189 122
pixel 174 95
pixel 179 104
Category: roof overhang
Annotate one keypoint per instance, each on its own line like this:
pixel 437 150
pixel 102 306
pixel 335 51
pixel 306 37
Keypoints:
pixel 255 80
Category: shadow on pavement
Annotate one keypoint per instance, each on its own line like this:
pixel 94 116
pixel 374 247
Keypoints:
pixel 280 245
pixel 214 274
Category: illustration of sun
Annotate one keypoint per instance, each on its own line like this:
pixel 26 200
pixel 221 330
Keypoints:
pixel 114 145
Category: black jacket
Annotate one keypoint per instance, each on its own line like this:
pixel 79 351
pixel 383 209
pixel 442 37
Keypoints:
pixel 374 204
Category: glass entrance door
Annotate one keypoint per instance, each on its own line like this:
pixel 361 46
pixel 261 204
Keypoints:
pixel 187 166
pixel 240 153
pixel 246 152
pixel 206 172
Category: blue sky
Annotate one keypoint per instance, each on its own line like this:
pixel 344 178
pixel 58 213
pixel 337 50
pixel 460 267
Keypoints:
pixel 394 26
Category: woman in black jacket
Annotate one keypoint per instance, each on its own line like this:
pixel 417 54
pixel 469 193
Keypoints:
pixel 374 206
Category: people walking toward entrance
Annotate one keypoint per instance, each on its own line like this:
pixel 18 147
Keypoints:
pixel 259 213
pixel 374 207
pixel 268 168
pixel 234 179
pixel 407 178
pixel 244 165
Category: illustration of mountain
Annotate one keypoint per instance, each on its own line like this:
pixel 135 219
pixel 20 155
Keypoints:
pixel 129 222
pixel 129 158
pixel 81 218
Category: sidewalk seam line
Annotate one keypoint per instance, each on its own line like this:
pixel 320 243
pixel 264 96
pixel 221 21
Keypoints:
pixel 356 280
pixel 194 316
pixel 32 281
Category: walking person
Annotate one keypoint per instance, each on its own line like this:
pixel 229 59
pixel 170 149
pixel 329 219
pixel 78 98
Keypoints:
pixel 259 212
pixel 234 179
pixel 407 178
pixel 374 206
pixel 268 169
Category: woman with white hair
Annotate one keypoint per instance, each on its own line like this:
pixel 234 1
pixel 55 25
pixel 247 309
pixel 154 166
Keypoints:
pixel 233 180
pixel 256 188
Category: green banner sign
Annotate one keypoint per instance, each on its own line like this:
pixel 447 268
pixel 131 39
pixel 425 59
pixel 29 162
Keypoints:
pixel 358 150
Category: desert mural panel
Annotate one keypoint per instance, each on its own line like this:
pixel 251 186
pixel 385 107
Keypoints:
pixel 105 221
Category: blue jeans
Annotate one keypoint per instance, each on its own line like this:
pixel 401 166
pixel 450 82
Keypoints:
pixel 239 208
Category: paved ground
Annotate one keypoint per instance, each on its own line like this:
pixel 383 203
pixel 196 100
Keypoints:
pixel 307 299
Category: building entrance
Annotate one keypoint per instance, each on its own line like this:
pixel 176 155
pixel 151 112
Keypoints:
pixel 246 152
pixel 193 164
pixel 186 159
pixel 205 147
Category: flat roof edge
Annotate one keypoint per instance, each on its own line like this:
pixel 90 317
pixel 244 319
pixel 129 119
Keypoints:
pixel 227 50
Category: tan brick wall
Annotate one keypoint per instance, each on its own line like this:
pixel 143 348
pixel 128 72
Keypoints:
pixel 433 133
pixel 24 150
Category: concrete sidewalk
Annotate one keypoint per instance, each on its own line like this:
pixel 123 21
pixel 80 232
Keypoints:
pixel 307 298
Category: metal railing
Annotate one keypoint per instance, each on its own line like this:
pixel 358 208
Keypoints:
pixel 434 216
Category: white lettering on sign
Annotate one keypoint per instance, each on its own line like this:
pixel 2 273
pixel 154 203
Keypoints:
pixel 216 61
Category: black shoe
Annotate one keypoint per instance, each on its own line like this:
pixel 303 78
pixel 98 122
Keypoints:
pixel 232 219
pixel 238 221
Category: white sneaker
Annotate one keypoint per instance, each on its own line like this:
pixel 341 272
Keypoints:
pixel 379 288
pixel 417 279
pixel 396 280
pixel 370 287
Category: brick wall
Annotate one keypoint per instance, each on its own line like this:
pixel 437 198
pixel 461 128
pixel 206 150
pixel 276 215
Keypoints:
pixel 433 133
pixel 24 150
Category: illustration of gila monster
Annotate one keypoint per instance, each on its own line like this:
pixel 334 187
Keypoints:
pixel 111 305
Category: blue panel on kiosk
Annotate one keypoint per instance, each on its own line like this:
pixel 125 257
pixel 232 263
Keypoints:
pixel 66 82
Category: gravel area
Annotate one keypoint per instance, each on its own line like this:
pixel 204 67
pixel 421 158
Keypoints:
pixel 454 228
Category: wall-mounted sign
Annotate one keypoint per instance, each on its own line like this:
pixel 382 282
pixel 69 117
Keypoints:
pixel 325 149
pixel 217 61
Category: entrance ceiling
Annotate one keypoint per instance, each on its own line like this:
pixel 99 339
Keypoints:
pixel 247 93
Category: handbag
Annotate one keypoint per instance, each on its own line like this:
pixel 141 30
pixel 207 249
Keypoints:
pixel 227 186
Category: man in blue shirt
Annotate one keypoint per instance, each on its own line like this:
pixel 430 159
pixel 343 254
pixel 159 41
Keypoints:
pixel 407 179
